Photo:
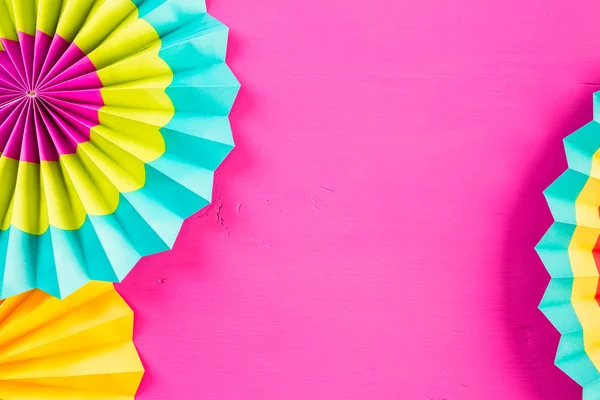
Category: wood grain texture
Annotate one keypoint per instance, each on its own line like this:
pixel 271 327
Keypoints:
pixel 372 234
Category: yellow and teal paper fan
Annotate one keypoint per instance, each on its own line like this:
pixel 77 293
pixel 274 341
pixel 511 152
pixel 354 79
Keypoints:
pixel 570 251
pixel 72 349
pixel 113 119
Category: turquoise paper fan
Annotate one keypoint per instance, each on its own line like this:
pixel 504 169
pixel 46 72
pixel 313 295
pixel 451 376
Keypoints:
pixel 570 250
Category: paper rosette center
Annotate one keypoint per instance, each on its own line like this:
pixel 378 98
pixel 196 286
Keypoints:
pixel 49 98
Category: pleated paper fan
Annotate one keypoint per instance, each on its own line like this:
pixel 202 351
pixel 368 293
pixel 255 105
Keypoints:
pixel 113 119
pixel 570 251
pixel 77 348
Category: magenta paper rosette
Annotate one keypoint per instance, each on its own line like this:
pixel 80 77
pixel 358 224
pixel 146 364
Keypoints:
pixel 113 119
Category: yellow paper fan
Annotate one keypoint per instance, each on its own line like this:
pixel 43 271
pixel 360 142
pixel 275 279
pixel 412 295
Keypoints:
pixel 72 349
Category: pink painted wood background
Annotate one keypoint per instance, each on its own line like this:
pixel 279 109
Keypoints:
pixel 372 234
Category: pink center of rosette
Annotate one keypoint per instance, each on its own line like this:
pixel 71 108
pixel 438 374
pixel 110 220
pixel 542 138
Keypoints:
pixel 49 97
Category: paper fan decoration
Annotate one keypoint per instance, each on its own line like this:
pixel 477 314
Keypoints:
pixel 113 119
pixel 570 251
pixel 72 349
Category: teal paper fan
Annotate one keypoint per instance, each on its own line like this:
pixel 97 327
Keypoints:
pixel 570 250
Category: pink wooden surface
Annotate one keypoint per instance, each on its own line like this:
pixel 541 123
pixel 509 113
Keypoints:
pixel 372 233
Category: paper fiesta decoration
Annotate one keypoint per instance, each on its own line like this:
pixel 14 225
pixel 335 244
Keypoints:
pixel 113 119
pixel 570 251
pixel 70 349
